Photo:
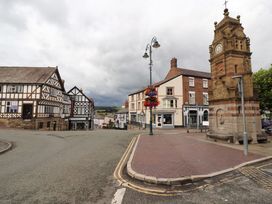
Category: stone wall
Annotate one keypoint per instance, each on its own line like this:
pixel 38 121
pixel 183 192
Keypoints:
pixel 38 124
pixel 226 120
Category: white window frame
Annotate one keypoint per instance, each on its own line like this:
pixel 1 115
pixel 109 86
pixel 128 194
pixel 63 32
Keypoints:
pixel 15 88
pixel 12 107
pixel 205 83
pixel 191 81
pixel 192 97
pixel 205 96
pixel 167 103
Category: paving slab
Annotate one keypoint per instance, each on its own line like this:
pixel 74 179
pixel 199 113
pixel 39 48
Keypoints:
pixel 177 155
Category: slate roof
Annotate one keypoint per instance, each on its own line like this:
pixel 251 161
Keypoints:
pixel 31 75
pixel 123 110
pixel 195 73
pixel 175 72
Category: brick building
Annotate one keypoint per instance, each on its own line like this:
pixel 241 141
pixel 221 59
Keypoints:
pixel 183 96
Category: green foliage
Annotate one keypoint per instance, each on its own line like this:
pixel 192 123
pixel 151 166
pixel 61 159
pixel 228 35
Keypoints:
pixel 262 80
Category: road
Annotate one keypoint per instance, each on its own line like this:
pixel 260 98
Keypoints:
pixel 77 167
pixel 61 167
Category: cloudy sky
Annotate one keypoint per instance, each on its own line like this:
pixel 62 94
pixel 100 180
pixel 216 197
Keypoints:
pixel 98 44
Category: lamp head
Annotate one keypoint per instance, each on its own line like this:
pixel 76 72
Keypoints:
pixel 156 44
pixel 145 55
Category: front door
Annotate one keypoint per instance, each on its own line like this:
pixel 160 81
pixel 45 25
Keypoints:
pixel 159 120
pixel 27 111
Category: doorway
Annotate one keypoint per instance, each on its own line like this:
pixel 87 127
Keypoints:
pixel 27 111
pixel 192 118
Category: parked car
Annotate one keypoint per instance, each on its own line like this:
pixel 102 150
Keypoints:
pixel 266 123
pixel 268 130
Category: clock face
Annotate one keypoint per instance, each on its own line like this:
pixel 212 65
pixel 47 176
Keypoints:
pixel 218 48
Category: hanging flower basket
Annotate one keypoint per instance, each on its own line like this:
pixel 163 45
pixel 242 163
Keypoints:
pixel 151 92
pixel 151 99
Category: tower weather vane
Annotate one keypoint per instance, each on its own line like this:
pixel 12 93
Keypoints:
pixel 225 3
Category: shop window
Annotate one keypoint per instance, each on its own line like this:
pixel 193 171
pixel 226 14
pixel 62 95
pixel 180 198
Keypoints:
pixel 205 116
pixel 167 119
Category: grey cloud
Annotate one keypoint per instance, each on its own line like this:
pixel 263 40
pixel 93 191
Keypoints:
pixel 98 45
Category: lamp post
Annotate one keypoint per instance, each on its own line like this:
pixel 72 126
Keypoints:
pixel 241 92
pixel 155 44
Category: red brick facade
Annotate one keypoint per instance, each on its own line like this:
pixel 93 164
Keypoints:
pixel 197 88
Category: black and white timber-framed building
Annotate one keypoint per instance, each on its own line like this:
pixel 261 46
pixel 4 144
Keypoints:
pixel 33 97
pixel 82 110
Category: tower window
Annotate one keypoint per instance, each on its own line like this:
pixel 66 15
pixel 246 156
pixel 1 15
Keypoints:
pixel 236 44
pixel 235 68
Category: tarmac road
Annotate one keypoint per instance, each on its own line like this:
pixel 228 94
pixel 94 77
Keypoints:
pixel 61 167
pixel 77 167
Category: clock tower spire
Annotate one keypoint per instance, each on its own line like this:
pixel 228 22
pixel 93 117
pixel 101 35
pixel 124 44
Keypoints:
pixel 230 55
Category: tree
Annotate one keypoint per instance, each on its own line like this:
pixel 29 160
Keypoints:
pixel 262 80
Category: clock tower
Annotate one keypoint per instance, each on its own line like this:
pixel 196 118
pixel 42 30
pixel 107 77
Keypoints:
pixel 230 56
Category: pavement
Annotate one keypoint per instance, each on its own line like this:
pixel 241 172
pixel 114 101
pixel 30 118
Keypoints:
pixel 174 156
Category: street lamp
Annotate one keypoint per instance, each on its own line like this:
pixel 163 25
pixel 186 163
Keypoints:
pixel 241 92
pixel 155 44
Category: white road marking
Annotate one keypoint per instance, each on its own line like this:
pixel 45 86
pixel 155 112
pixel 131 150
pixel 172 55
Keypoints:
pixel 118 196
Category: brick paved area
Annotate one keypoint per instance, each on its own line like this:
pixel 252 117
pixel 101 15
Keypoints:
pixel 177 155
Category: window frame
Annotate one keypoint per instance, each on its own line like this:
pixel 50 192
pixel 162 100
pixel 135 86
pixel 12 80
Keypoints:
pixel 194 102
pixel 207 98
pixel 192 81
pixel 169 89
pixel 10 106
pixel 205 83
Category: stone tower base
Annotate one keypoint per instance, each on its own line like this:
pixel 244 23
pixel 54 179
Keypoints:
pixel 226 121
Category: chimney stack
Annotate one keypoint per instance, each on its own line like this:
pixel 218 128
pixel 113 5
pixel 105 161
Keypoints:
pixel 174 63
